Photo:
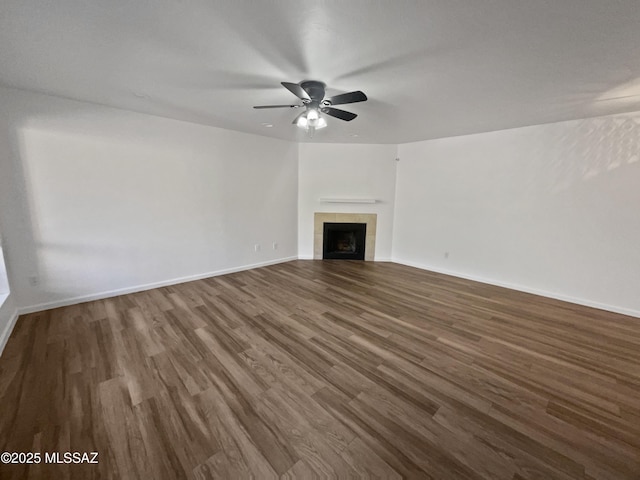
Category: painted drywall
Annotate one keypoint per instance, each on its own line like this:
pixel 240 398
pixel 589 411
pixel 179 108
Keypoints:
pixel 4 279
pixel 8 317
pixel 550 209
pixel 8 310
pixel 110 201
pixel 9 217
pixel 346 171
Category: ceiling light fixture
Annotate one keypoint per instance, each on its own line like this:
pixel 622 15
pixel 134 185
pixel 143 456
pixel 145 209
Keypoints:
pixel 311 121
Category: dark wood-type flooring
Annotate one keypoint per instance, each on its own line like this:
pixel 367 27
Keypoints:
pixel 331 369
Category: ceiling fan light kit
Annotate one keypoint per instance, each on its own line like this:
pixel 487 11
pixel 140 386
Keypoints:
pixel 311 119
pixel 312 95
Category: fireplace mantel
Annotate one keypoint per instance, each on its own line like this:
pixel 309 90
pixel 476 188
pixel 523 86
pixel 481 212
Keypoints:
pixel 348 200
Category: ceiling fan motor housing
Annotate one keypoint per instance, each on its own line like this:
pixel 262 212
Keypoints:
pixel 315 90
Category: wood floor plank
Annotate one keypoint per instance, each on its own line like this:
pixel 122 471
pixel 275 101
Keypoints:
pixel 325 369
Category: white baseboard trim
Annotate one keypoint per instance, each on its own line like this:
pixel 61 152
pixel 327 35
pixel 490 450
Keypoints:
pixel 522 288
pixel 139 288
pixel 307 257
pixel 6 333
pixel 148 286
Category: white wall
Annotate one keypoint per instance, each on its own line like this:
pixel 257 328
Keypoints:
pixel 9 216
pixel 109 200
pixel 552 209
pixel 346 171
pixel 8 317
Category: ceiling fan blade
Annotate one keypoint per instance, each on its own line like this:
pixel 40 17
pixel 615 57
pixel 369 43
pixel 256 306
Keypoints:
pixel 278 106
pixel 297 90
pixel 351 97
pixel 341 114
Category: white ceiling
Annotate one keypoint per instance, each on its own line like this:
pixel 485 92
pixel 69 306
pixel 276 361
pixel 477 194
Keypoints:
pixel 431 68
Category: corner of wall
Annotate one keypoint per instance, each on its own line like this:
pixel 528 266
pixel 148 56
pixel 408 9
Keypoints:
pixel 8 317
pixel 395 204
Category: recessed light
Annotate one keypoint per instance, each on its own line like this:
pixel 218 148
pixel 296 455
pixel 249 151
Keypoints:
pixel 266 125
pixel 354 135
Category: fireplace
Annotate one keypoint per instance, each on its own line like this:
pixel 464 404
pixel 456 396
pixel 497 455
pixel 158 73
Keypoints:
pixel 344 241
pixel 369 219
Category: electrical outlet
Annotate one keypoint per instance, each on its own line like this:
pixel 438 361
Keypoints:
pixel 256 247
pixel 275 245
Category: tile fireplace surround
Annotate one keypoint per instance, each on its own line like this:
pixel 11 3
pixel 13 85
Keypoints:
pixel 370 219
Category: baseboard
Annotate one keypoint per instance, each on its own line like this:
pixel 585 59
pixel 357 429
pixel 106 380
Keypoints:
pixel 522 288
pixel 6 333
pixel 139 288
pixel 148 286
pixel 308 257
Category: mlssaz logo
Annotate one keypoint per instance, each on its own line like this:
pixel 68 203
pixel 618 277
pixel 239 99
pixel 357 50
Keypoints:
pixel 71 457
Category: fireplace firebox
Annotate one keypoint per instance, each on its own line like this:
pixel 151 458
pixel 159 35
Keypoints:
pixel 344 241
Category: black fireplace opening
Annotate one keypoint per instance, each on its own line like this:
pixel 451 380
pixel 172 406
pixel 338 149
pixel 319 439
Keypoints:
pixel 344 241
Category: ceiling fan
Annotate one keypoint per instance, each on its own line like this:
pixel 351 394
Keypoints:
pixel 312 94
